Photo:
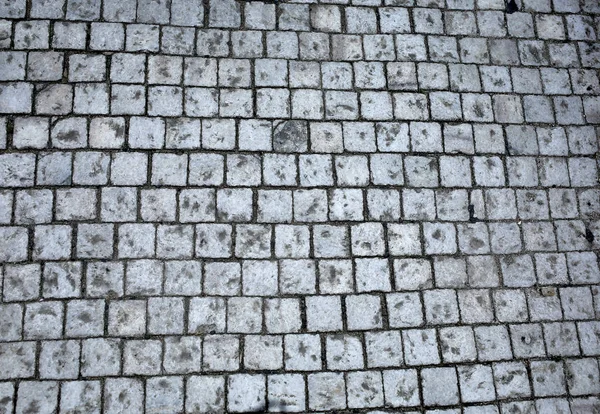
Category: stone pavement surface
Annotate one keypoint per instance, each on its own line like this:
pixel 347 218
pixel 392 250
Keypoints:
pixel 325 206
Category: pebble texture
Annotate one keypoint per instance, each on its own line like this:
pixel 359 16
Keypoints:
pixel 299 206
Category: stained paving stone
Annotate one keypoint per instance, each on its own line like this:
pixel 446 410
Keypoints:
pixel 242 206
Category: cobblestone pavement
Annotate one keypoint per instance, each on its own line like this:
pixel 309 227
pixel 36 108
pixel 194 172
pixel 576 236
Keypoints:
pixel 325 206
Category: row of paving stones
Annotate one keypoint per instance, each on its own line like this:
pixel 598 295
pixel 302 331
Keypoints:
pixel 122 204
pixel 146 240
pixel 323 391
pixel 35 34
pixel 290 136
pixel 313 104
pixel 307 46
pixel 362 17
pixel 323 313
pixel 138 69
pixel 146 277
pixel 308 170
pixel 341 352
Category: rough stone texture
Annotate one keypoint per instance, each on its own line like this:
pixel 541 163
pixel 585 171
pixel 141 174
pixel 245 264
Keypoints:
pixel 294 206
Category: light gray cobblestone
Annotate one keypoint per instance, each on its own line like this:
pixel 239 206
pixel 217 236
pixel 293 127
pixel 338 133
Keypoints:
pixel 240 206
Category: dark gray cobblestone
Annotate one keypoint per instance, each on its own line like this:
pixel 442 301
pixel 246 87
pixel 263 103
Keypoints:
pixel 299 206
